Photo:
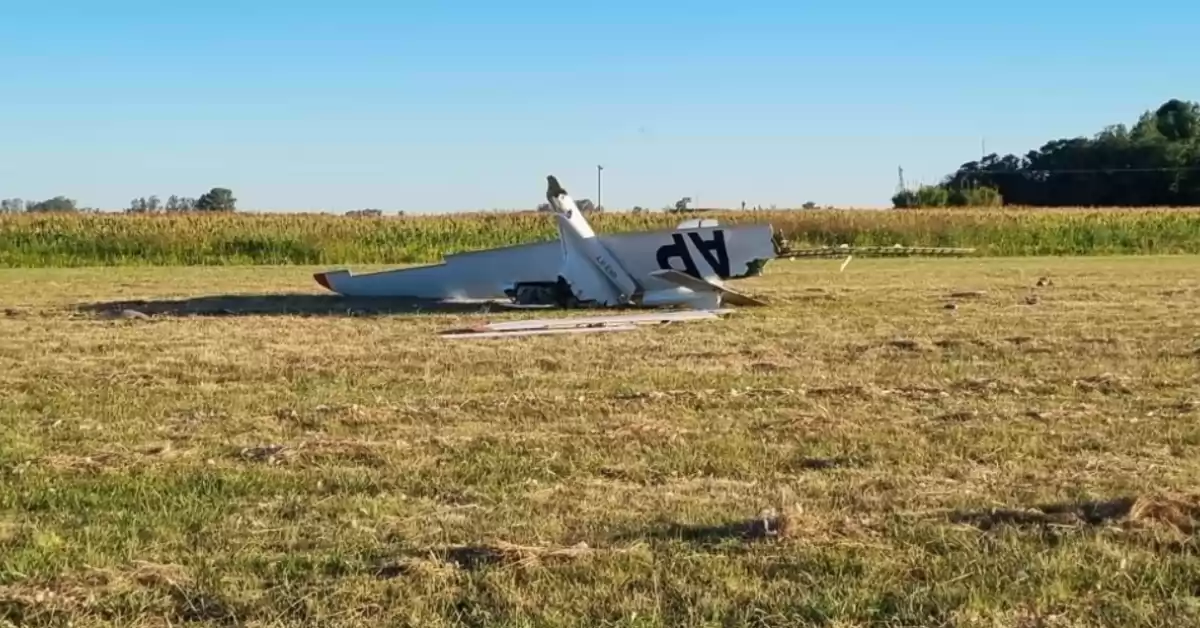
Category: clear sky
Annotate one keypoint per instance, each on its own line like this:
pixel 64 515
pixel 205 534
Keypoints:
pixel 426 106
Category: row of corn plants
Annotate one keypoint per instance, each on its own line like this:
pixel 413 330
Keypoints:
pixel 38 240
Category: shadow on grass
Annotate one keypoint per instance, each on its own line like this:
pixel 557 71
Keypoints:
pixel 1180 513
pixel 706 535
pixel 1090 513
pixel 291 305
pixel 1172 522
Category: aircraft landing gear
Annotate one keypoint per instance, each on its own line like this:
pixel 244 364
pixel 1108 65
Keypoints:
pixel 556 293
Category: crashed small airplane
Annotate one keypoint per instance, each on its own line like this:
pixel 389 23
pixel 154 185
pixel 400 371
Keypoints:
pixel 687 266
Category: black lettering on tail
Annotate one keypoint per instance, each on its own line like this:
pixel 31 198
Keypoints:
pixel 714 253
pixel 719 263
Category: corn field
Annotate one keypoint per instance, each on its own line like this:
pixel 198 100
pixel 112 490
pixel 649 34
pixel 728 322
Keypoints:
pixel 33 240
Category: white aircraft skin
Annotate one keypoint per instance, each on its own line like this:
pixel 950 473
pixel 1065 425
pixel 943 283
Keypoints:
pixel 685 266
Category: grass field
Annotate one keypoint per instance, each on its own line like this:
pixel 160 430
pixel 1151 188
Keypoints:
pixel 41 240
pixel 1028 458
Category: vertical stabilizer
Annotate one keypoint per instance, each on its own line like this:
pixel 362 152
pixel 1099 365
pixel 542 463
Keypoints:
pixel 593 272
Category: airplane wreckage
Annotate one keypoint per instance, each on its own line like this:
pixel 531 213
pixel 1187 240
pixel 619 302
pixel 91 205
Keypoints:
pixel 685 267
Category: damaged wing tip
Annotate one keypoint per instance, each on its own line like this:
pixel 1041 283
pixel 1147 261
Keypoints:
pixel 323 280
pixel 554 188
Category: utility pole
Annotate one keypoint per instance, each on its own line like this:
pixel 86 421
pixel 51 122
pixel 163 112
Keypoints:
pixel 599 198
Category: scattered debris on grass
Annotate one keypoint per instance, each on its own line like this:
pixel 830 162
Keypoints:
pixel 472 557
pixel 957 416
pixel 1180 513
pixel 824 464
pixel 1106 383
pixel 125 314
pixel 346 451
pixel 270 454
pixel 174 595
pixel 782 524
pixel 765 367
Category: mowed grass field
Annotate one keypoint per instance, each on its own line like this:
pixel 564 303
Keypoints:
pixel 857 454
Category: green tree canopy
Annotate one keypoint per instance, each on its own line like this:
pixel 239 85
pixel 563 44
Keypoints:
pixel 1156 163
pixel 216 200
pixel 56 204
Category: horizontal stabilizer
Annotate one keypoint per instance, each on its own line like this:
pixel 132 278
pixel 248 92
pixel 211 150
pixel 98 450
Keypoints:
pixel 695 284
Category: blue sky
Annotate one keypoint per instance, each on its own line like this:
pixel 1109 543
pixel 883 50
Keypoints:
pixel 469 105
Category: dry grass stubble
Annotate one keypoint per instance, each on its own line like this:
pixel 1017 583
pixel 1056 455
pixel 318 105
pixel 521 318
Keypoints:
pixel 859 453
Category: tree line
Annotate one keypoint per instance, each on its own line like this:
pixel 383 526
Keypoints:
pixel 1154 163
pixel 215 200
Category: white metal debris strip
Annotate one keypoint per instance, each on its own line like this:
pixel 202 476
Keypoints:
pixel 581 324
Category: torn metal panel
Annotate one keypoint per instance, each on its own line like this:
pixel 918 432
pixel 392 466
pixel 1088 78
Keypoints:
pixel 582 324
pixel 895 250
pixel 536 332
pixel 632 319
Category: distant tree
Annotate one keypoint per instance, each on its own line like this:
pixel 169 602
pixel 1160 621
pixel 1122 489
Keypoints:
pixel 809 205
pixel 56 204
pixel 144 205
pixel 180 204
pixel 981 196
pixel 216 200
pixel 12 205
